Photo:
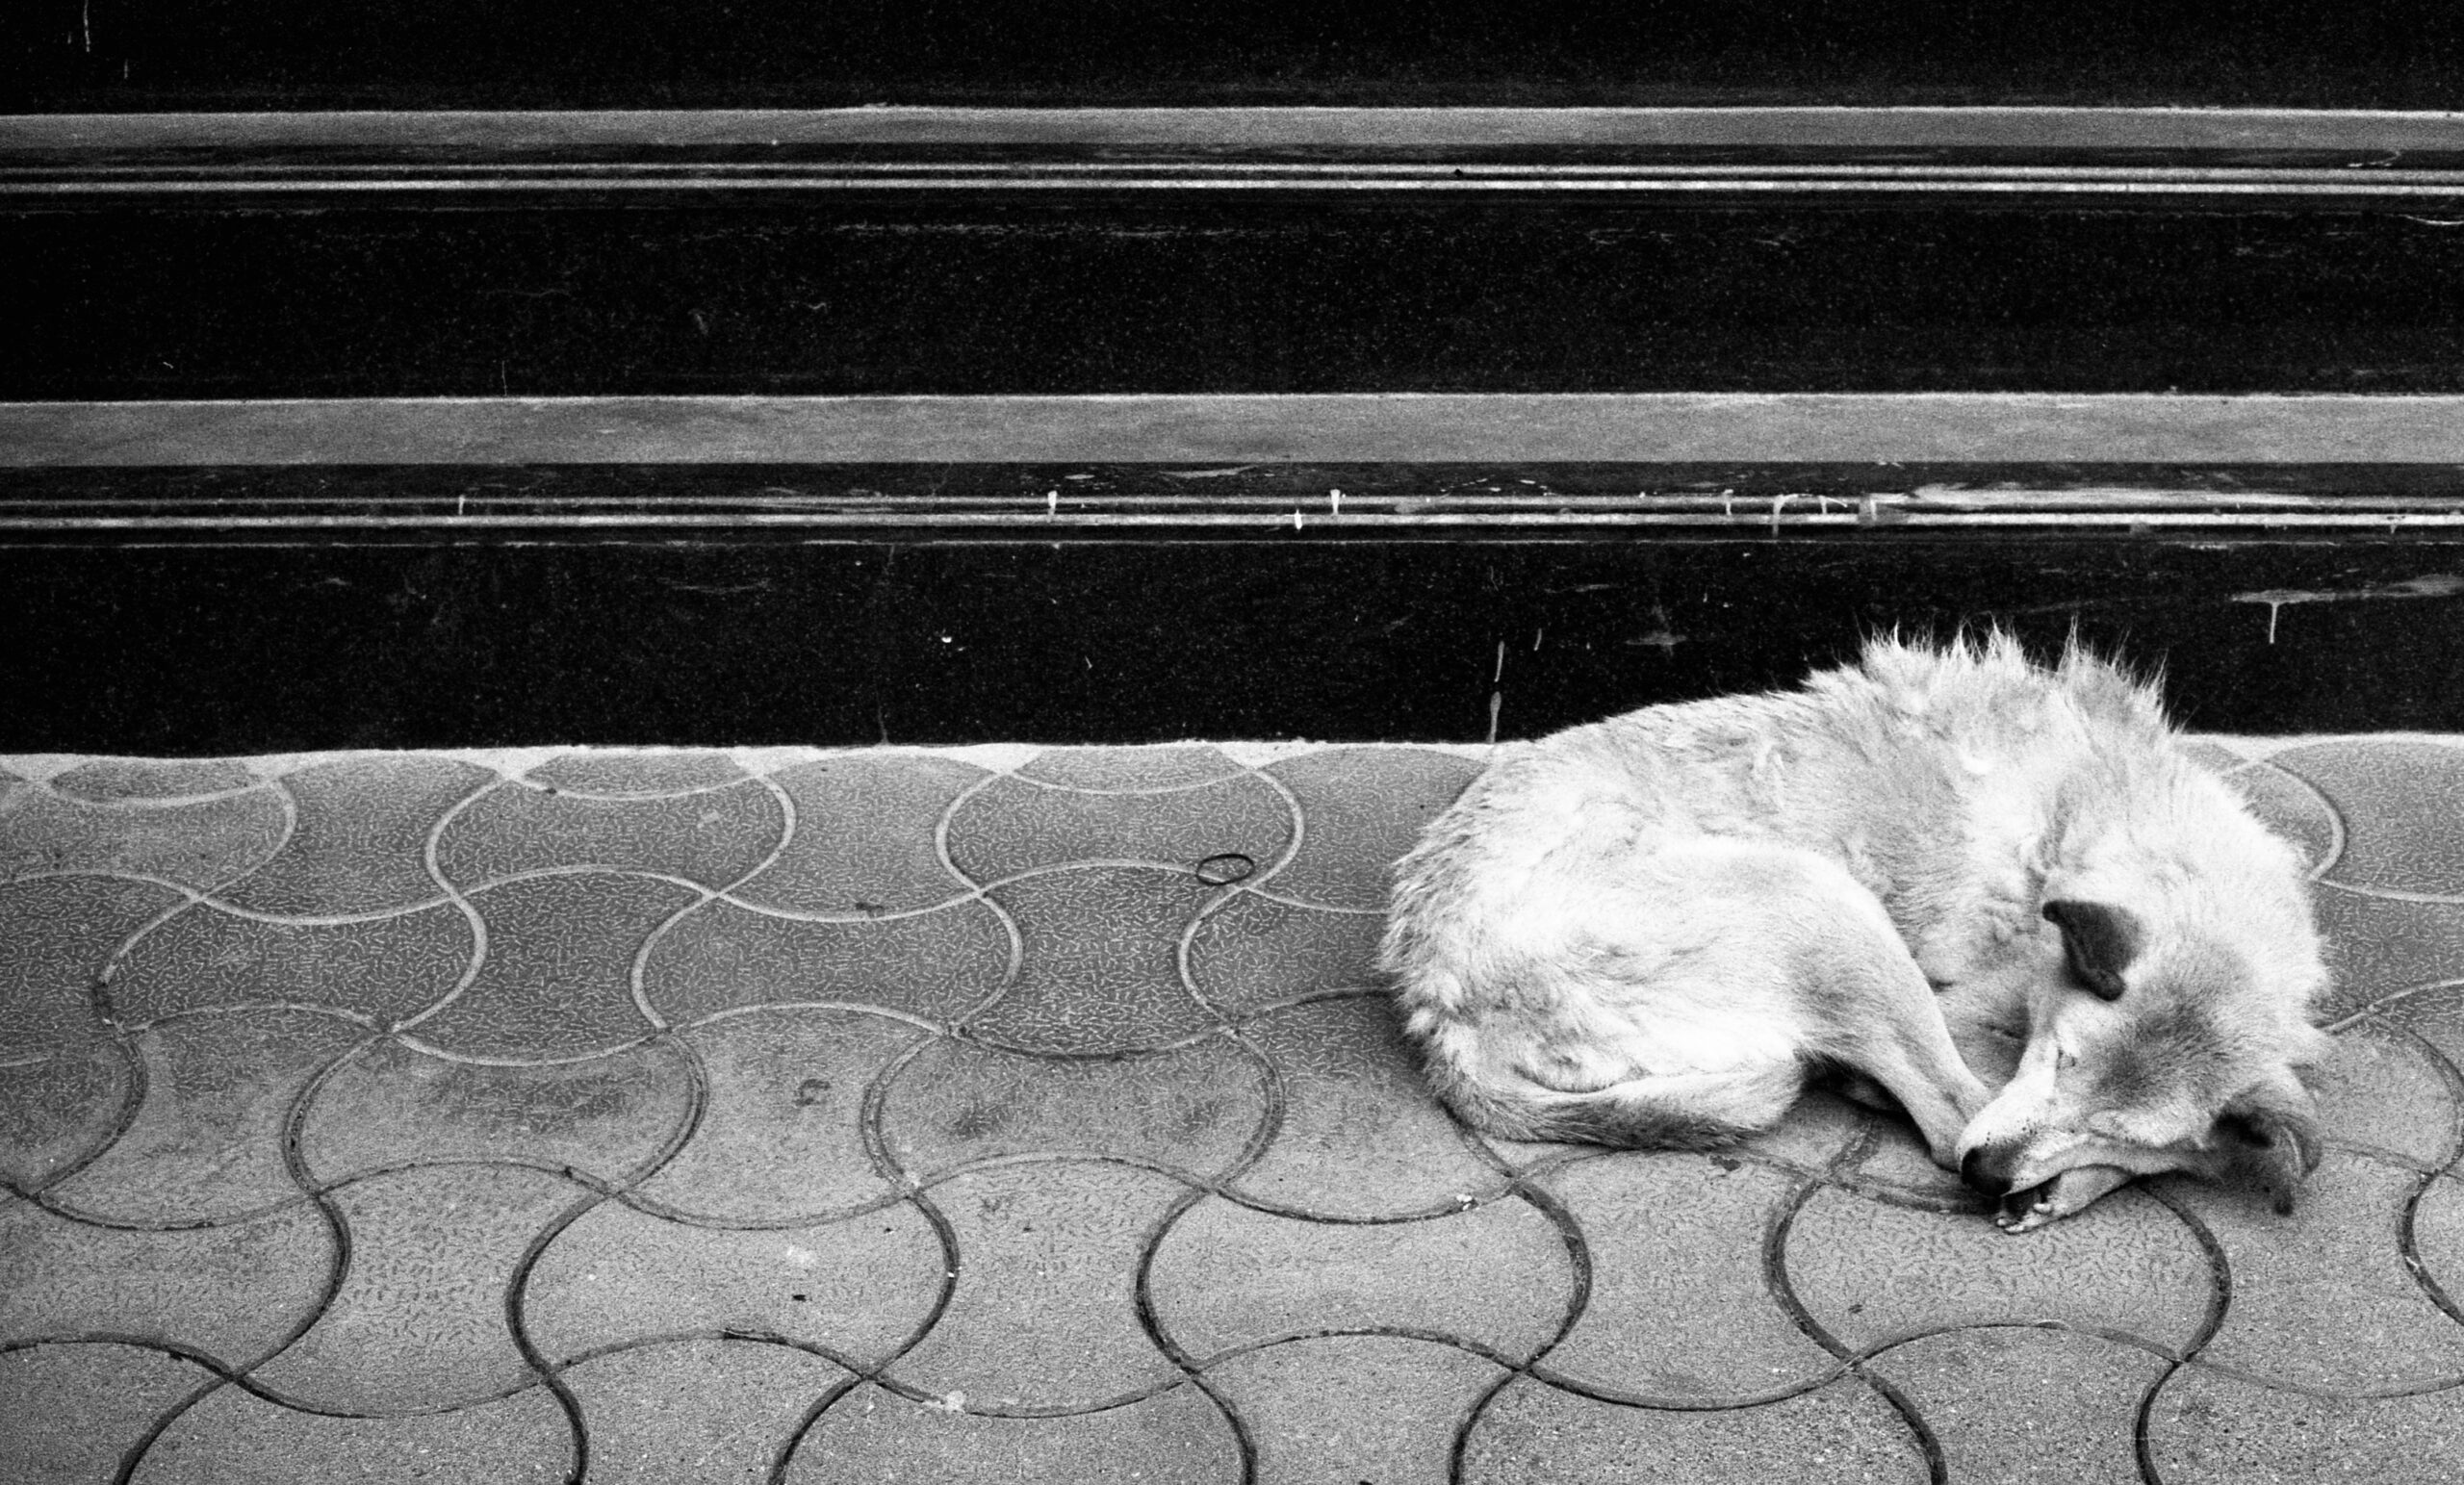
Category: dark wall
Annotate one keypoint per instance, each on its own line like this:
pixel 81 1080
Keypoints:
pixel 139 54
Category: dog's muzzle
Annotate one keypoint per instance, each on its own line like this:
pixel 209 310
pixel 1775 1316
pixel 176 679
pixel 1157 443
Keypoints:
pixel 1989 1169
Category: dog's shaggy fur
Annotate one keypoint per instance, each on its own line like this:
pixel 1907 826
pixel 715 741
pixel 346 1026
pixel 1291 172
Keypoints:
pixel 1940 862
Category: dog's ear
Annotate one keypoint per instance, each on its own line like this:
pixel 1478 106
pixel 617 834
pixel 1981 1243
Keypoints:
pixel 2268 1141
pixel 2101 940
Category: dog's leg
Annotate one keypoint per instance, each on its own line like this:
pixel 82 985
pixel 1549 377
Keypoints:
pixel 1854 993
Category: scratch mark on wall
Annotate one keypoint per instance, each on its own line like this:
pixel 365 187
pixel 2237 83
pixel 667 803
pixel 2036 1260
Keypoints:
pixel 2427 586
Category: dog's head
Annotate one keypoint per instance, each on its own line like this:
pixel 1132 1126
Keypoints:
pixel 2169 1030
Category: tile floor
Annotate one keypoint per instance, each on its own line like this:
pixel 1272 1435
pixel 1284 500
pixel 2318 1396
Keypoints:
pixel 1019 1114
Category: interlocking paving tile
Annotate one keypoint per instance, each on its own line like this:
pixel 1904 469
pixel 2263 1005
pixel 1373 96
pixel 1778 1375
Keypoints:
pixel 1045 1314
pixel 54 937
pixel 1012 826
pixel 206 1145
pixel 1342 1409
pixel 1193 1110
pixel 1541 1435
pixel 71 1412
pixel 234 1292
pixel 1130 769
pixel 780 1139
pixel 858 1289
pixel 557 980
pixel 2322 1298
pixel 385 969
pixel 361 837
pixel 231 1437
pixel 1064 1059
pixel 1361 808
pixel 59 1110
pixel 1680 1312
pixel 201 844
pixel 2212 1429
pixel 1870 1273
pixel 1255 951
pixel 864 838
pixel 1099 969
pixel 2403 804
pixel 2375 945
pixel 713 837
pixel 2438 1240
pixel 1362 1136
pixel 2435 1015
pixel 2384 1091
pixel 420 1321
pixel 611 1116
pixel 874 1437
pixel 936 965
pixel 2019 1406
pixel 109 780
pixel 696 1410
pixel 2293 808
pixel 636 772
pixel 1497 1276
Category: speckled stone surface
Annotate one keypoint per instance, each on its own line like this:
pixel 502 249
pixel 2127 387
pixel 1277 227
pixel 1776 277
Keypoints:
pixel 1016 1113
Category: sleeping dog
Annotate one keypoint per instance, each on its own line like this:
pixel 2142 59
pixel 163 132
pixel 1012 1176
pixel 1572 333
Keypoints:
pixel 1938 862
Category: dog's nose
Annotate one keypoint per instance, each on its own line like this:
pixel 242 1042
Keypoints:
pixel 1988 1171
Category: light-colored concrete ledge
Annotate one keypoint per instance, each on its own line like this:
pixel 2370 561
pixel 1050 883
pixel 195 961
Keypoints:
pixel 1652 429
pixel 1847 128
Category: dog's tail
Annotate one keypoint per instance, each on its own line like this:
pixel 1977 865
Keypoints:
pixel 1668 1112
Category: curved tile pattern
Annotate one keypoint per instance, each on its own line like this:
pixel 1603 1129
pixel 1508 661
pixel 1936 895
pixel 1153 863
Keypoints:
pixel 557 977
pixel 234 1292
pixel 1225 1277
pixel 1341 1409
pixel 1012 826
pixel 612 1117
pixel 61 1110
pixel 360 840
pixel 934 965
pixel 207 1144
pixel 199 844
pixel 2322 1298
pixel 874 1434
pixel 383 969
pixel 1537 1435
pixel 2208 1428
pixel 1871 1274
pixel 1194 1109
pixel 56 939
pixel 1099 968
pixel 2405 801
pixel 712 838
pixel 697 1410
pixel 1361 1136
pixel 71 1412
pixel 858 1289
pixel 620 774
pixel 2026 1406
pixel 1679 1312
pixel 1362 808
pixel 781 1139
pixel 232 1438
pixel 419 1325
pixel 1044 1316
pixel 859 1168
pixel 864 839
pixel 1257 951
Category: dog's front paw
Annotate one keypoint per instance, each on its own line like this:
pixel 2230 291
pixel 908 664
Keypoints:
pixel 2066 1194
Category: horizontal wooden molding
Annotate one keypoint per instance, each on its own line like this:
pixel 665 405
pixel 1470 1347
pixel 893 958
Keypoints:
pixel 1328 428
